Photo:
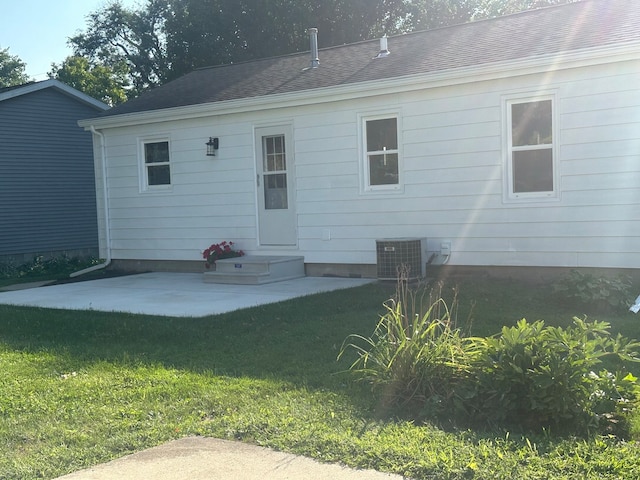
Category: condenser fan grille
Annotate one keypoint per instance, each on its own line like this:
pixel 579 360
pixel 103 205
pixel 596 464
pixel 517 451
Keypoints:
pixel 396 255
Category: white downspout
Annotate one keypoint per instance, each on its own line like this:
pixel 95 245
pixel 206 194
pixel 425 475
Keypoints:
pixel 107 235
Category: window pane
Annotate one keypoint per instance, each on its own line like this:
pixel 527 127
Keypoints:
pixel 531 123
pixel 278 145
pixel 383 169
pixel 157 152
pixel 382 134
pixel 159 175
pixel 533 171
pixel 274 154
pixel 275 191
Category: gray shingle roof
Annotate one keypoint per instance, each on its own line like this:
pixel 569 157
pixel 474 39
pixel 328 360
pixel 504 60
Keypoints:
pixel 574 26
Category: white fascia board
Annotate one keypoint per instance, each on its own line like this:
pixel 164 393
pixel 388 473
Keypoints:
pixel 422 81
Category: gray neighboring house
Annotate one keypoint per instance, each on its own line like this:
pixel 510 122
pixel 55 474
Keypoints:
pixel 47 181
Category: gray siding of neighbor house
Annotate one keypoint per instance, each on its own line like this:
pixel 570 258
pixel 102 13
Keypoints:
pixel 47 186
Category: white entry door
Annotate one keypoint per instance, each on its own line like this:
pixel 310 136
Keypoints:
pixel 276 191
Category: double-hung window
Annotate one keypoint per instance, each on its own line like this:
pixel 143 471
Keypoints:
pixel 156 166
pixel 531 162
pixel 381 162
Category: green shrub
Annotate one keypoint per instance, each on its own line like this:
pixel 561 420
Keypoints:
pixel 598 293
pixel 40 266
pixel 538 376
pixel 7 270
pixel 613 402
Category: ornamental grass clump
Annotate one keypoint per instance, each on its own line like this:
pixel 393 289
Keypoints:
pixel 416 359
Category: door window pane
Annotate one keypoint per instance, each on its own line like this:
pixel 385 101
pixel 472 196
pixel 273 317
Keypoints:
pixel 274 154
pixel 275 191
pixel 275 184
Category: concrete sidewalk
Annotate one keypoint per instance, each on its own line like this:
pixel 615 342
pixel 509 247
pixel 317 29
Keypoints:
pixel 200 458
pixel 170 294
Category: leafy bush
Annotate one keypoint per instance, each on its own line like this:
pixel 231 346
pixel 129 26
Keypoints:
pixel 538 376
pixel 7 270
pixel 613 402
pixel 56 267
pixel 599 293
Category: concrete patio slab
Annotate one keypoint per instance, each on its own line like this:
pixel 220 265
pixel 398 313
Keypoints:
pixel 170 294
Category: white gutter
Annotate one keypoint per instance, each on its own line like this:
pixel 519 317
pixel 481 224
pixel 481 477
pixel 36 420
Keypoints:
pixel 103 158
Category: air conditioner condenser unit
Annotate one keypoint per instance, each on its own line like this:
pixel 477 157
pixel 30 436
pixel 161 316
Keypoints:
pixel 396 255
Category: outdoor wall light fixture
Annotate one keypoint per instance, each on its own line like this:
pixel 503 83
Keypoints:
pixel 212 146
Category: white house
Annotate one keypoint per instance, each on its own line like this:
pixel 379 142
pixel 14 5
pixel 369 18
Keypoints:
pixel 506 142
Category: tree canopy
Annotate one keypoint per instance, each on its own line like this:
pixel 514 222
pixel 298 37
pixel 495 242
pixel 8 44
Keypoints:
pixel 164 39
pixel 102 82
pixel 12 70
pixel 117 35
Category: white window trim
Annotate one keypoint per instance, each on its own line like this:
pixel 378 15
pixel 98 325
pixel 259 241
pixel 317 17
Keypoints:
pixel 365 187
pixel 509 196
pixel 142 166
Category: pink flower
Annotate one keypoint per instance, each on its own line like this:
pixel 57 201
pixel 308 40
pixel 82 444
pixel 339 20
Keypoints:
pixel 220 250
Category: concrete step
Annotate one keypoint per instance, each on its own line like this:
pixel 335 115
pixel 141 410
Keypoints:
pixel 256 269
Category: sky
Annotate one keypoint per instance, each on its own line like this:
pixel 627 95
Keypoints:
pixel 37 30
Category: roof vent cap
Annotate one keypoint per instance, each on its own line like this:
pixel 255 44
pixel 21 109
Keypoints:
pixel 313 39
pixel 384 48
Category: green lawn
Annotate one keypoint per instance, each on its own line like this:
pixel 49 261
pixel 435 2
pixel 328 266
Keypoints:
pixel 80 388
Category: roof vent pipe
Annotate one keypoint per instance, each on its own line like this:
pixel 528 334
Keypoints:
pixel 384 49
pixel 313 38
